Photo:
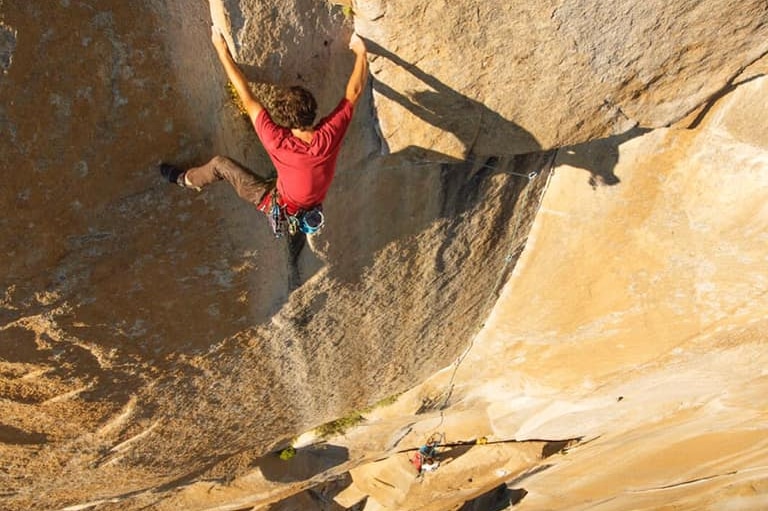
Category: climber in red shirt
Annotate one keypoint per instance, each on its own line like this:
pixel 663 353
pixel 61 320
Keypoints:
pixel 303 153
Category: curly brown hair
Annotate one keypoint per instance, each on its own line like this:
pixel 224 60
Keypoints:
pixel 295 107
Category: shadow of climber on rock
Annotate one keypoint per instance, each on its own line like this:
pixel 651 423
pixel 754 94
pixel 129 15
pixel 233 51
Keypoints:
pixel 458 178
pixel 598 157
pixel 481 130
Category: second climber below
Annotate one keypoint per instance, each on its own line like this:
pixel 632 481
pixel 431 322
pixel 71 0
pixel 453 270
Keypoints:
pixel 303 153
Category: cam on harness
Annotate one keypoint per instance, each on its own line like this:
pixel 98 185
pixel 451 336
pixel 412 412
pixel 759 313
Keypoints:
pixel 309 221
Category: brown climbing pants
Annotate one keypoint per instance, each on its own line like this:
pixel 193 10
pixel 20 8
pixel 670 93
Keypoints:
pixel 248 186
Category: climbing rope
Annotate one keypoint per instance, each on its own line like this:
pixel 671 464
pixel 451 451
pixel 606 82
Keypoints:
pixel 493 295
pixel 471 160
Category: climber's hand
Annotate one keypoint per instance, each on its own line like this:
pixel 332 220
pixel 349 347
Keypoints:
pixel 359 75
pixel 356 44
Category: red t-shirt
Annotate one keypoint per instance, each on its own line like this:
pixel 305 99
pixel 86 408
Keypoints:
pixel 304 171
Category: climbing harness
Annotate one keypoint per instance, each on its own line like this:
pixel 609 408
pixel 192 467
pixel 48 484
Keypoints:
pixel 308 221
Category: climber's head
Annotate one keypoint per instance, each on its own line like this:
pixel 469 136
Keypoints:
pixel 296 107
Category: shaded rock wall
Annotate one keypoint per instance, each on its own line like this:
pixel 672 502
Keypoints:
pixel 151 336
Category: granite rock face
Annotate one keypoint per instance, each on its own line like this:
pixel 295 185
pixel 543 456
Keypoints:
pixel 151 334
pixel 510 77
pixel 631 336
pixel 154 340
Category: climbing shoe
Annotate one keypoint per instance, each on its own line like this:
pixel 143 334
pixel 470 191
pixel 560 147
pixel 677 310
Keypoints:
pixel 173 174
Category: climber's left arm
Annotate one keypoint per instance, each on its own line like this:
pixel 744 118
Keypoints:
pixel 235 75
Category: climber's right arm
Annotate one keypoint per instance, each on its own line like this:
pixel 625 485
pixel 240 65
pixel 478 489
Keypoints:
pixel 235 75
pixel 359 75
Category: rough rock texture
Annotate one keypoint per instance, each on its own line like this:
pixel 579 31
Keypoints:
pixel 151 335
pixel 156 344
pixel 508 77
pixel 622 367
pixel 636 319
